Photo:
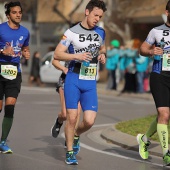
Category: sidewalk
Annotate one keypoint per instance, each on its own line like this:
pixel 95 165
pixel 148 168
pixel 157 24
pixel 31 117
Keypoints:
pixel 101 88
pixel 111 134
pixel 129 142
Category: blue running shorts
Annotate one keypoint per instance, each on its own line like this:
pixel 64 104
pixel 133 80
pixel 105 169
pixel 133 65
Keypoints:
pixel 76 90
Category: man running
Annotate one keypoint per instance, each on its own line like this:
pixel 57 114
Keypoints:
pixel 157 45
pixel 86 45
pixel 55 130
pixel 14 43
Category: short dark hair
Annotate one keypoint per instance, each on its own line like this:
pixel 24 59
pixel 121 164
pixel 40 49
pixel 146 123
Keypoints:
pixel 96 3
pixel 11 4
pixel 168 6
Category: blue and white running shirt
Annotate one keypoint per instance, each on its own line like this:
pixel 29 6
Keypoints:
pixel 153 38
pixel 79 40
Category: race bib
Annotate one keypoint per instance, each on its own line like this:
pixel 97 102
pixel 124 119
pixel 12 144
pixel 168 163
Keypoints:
pixel 165 62
pixel 9 71
pixel 88 73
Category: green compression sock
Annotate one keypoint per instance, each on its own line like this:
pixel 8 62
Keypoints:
pixel 162 130
pixel 6 127
pixel 152 129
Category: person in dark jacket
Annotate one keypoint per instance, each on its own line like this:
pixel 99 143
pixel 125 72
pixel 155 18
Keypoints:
pixel 35 69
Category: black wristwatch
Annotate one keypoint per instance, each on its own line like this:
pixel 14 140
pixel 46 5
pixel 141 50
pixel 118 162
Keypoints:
pixel 1 51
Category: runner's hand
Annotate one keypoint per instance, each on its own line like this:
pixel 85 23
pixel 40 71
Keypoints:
pixel 102 58
pixel 9 51
pixel 26 53
pixel 157 51
pixel 65 70
pixel 84 56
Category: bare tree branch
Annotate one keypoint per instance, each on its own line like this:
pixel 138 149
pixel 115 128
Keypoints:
pixel 75 9
pixel 59 13
pixel 117 9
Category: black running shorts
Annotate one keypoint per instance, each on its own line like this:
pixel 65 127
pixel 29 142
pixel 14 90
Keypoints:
pixel 160 89
pixel 60 82
pixel 10 88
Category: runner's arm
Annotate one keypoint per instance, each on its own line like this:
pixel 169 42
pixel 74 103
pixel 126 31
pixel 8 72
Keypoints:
pixel 59 66
pixel 103 50
pixel 102 54
pixel 149 50
pixel 61 54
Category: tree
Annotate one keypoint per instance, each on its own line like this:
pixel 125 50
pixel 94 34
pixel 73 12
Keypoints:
pixel 122 10
pixel 70 20
pixel 115 9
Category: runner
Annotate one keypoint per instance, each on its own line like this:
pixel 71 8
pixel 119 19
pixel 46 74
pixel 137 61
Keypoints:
pixel 85 42
pixel 157 45
pixel 14 43
pixel 55 130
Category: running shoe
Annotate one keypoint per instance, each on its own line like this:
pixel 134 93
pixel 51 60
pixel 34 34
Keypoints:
pixel 76 145
pixel 143 147
pixel 4 148
pixel 71 158
pixel 55 130
pixel 166 159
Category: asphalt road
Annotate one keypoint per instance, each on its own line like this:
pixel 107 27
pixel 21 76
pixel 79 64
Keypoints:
pixel 35 149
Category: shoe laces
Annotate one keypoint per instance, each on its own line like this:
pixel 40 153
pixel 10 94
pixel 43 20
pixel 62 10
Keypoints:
pixel 71 155
pixel 146 145
pixel 58 125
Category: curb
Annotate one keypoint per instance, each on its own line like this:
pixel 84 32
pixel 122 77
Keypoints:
pixel 114 93
pixel 129 142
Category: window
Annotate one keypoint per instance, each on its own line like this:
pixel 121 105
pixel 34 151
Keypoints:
pixel 46 60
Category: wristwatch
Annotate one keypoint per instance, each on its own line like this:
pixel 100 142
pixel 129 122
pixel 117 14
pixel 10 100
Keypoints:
pixel 1 51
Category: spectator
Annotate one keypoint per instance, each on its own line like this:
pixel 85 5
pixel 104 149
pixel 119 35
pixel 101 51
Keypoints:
pixel 121 66
pixel 35 69
pixel 111 64
pixel 141 63
pixel 141 69
pixel 130 70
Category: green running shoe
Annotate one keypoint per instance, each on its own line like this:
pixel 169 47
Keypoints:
pixel 143 147
pixel 166 159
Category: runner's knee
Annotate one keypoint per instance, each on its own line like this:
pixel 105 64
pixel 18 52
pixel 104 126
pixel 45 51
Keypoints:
pixel 72 120
pixel 88 124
